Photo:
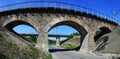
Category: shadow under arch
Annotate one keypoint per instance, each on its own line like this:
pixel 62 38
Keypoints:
pixel 9 26
pixel 74 25
pixel 12 24
pixel 100 32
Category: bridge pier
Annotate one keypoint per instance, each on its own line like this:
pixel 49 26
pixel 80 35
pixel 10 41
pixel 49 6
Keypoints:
pixel 89 44
pixel 58 41
pixel 42 42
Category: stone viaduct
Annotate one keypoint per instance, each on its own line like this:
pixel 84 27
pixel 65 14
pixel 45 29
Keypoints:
pixel 43 20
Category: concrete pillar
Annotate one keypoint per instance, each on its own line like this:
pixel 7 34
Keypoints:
pixel 57 41
pixel 88 44
pixel 84 45
pixel 42 41
pixel 92 43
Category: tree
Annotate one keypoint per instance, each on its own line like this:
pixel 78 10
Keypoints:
pixel 33 39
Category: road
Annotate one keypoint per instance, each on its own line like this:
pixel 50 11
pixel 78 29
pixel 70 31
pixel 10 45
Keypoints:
pixel 59 53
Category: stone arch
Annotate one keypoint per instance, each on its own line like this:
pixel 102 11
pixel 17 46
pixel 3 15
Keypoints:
pixel 72 23
pixel 103 30
pixel 12 24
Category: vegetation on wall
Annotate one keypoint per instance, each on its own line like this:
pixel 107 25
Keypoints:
pixel 32 39
pixel 51 41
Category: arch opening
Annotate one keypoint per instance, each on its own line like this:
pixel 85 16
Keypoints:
pixel 68 37
pixel 101 37
pixel 81 30
pixel 23 30
pixel 100 32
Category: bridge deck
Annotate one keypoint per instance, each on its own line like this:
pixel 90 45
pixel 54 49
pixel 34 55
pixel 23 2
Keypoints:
pixel 49 35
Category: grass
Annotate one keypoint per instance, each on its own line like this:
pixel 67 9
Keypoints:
pixel 68 46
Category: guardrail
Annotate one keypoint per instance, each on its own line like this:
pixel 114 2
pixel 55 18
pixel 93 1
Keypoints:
pixel 56 4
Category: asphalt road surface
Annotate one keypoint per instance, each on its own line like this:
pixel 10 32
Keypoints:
pixel 59 53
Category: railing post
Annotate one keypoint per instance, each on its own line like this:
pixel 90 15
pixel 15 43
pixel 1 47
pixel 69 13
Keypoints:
pixel 97 15
pixel 92 12
pixel 75 9
pixel 81 10
pixel 3 8
pixel 14 7
pixel 68 7
pixel 62 6
pixel 87 11
pixel 55 6
pixel 105 16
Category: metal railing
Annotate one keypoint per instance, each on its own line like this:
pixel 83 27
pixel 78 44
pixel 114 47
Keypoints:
pixel 56 4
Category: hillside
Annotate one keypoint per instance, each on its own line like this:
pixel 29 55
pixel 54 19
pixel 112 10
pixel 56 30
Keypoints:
pixel 71 43
pixel 13 46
